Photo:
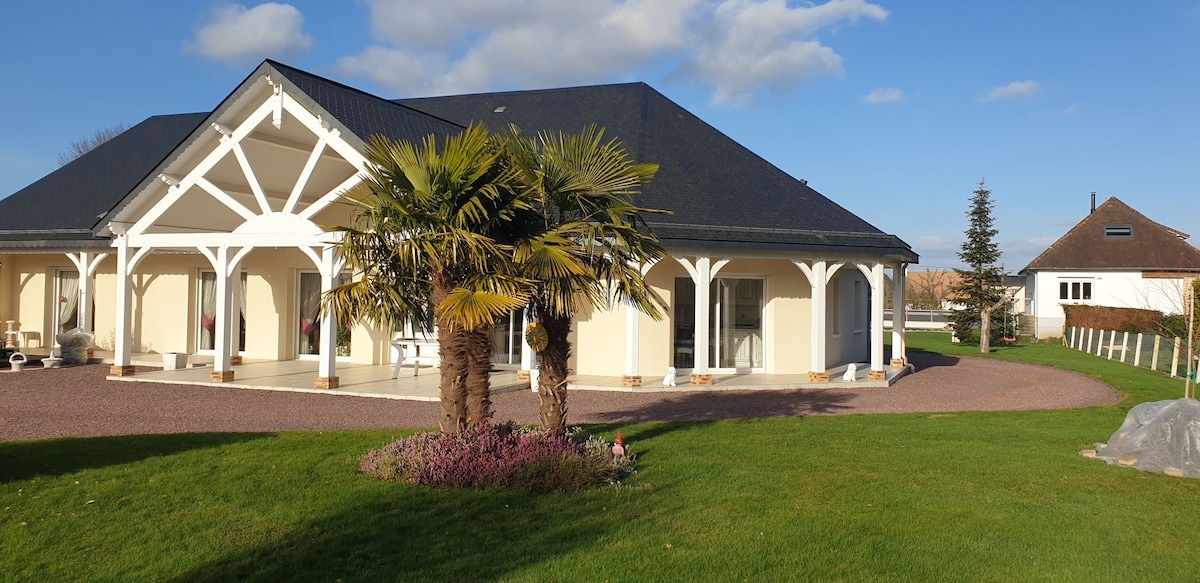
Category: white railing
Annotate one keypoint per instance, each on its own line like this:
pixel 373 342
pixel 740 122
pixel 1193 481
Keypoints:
pixel 1150 351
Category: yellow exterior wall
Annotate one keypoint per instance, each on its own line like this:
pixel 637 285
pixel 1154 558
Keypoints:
pixel 655 343
pixel 165 303
pixel 599 343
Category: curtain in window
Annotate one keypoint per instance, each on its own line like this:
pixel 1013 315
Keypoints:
pixel 208 309
pixel 68 300
pixel 310 300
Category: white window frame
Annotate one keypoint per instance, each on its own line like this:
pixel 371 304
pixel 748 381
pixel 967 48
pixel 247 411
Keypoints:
pixel 1075 289
pixel 54 323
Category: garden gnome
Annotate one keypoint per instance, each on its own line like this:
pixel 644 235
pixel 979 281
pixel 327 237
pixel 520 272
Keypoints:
pixel 619 446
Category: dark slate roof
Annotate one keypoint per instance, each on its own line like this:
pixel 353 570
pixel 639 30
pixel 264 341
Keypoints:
pixel 66 205
pixel 1152 247
pixel 706 178
pixel 364 114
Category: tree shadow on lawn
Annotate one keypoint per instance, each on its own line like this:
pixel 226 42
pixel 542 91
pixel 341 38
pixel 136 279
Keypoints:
pixel 922 359
pixel 21 460
pixel 401 532
pixel 687 410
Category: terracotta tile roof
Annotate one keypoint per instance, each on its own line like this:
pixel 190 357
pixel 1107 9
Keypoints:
pixel 1148 246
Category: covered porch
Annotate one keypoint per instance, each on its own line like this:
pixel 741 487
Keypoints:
pixel 358 380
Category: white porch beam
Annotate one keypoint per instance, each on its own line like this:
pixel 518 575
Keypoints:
pixel 329 197
pixel 316 126
pixel 224 198
pixel 251 179
pixel 123 351
pixel 899 314
pixel 224 147
pixel 270 240
pixel 305 174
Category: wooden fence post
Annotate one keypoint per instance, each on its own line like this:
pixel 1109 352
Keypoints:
pixel 1124 346
pixel 1100 344
pixel 1175 360
pixel 1137 351
pixel 1072 341
pixel 1157 348
pixel 1089 340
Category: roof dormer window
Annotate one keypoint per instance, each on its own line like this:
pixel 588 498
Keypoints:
pixel 1118 231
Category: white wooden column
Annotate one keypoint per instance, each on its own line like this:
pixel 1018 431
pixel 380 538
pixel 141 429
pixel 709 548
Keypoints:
pixel 877 372
pixel 899 314
pixel 86 263
pixel 123 351
pixel 222 368
pixel 327 368
pixel 632 376
pixel 527 363
pixel 702 278
pixel 818 279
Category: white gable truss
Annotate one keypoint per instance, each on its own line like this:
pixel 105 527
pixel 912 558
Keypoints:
pixel 256 177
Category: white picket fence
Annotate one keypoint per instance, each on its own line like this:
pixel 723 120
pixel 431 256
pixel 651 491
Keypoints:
pixel 1145 350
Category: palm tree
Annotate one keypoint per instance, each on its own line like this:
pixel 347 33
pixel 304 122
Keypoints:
pixel 581 242
pixel 422 253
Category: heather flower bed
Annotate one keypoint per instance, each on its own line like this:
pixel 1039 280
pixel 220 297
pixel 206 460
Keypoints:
pixel 500 456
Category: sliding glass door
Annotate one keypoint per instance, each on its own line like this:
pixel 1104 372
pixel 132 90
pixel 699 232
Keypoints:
pixel 734 326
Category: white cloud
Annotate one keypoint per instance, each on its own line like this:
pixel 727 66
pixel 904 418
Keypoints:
pixel 738 48
pixel 237 34
pixel 1071 109
pixel 884 95
pixel 1014 90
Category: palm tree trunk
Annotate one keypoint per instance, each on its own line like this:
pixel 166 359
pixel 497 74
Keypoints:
pixel 452 352
pixel 479 386
pixel 552 373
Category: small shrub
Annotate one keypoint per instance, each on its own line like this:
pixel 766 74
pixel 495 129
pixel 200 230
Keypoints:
pixel 499 456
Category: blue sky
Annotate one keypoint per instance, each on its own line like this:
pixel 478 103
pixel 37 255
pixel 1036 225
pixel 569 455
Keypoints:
pixel 892 109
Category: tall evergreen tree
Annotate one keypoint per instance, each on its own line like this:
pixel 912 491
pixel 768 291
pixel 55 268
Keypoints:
pixel 981 285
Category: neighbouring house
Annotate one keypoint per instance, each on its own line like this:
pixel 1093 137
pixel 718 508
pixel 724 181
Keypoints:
pixel 208 233
pixel 1114 257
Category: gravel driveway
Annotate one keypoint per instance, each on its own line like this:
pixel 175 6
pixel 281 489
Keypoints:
pixel 79 402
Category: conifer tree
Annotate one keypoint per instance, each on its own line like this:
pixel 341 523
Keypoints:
pixel 981 285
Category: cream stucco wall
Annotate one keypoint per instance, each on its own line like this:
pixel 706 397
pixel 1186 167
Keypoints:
pixel 165 303
pixel 599 343
pixel 786 322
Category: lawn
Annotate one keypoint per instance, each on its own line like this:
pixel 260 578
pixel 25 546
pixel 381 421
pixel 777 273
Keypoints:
pixel 967 496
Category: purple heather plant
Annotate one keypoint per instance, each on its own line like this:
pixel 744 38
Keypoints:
pixel 499 456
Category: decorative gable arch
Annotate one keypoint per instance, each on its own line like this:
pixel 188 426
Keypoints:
pixel 259 176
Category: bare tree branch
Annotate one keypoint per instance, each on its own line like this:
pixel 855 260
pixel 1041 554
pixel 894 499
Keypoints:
pixel 81 147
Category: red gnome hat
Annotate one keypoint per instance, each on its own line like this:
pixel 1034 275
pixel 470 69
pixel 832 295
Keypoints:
pixel 619 441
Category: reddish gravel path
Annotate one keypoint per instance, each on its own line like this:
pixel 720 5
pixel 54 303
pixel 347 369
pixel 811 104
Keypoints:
pixel 79 402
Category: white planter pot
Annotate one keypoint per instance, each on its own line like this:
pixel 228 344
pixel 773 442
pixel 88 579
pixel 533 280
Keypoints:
pixel 174 360
pixel 51 362
pixel 17 360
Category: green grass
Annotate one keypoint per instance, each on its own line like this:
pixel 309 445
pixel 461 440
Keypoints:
pixel 966 496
